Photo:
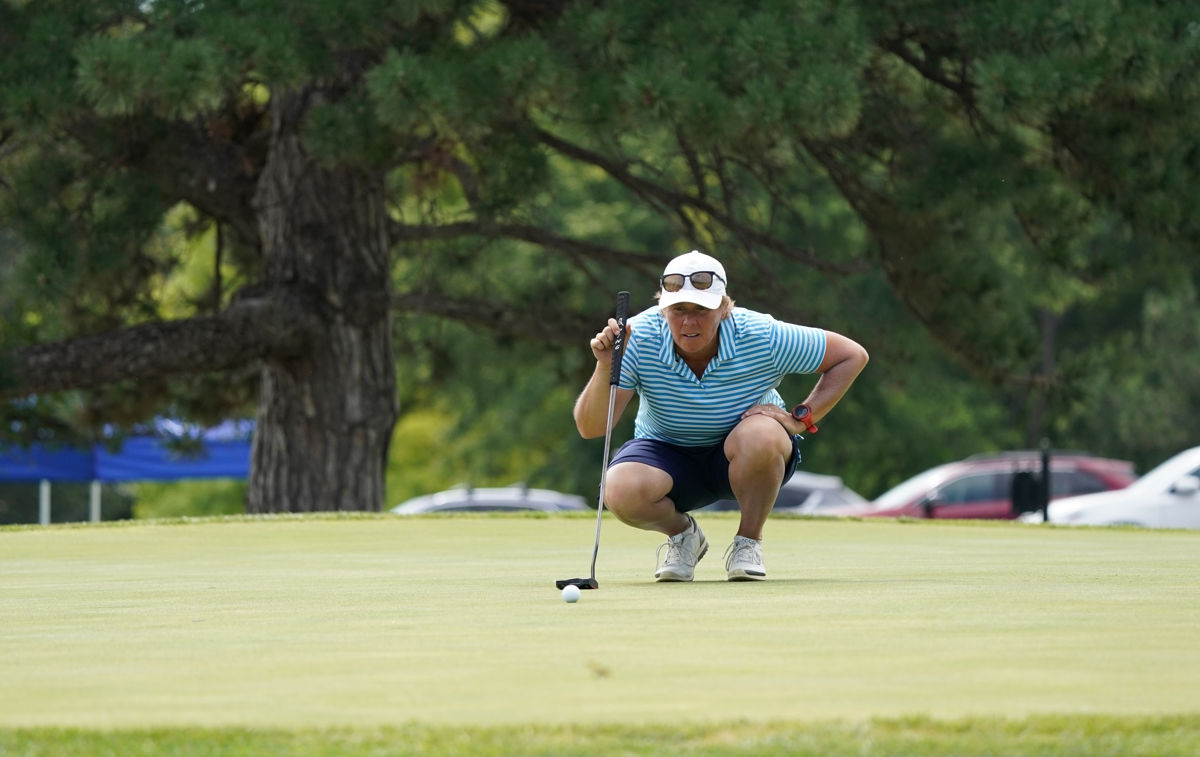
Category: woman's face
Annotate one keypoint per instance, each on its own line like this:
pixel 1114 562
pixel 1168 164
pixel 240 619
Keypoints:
pixel 694 329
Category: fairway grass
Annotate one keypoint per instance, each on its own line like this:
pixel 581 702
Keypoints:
pixel 292 626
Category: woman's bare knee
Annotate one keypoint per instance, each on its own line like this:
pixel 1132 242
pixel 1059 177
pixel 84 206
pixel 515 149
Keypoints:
pixel 636 492
pixel 758 437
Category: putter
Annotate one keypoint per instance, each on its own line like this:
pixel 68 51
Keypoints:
pixel 614 376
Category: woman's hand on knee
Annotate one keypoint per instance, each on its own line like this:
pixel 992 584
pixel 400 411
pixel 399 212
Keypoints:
pixel 776 413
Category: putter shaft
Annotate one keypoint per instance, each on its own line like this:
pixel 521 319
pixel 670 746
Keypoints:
pixel 612 404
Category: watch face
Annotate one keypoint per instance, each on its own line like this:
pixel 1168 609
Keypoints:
pixel 800 412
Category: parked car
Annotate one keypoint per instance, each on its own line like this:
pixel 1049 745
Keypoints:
pixel 981 486
pixel 1166 497
pixel 806 493
pixel 507 498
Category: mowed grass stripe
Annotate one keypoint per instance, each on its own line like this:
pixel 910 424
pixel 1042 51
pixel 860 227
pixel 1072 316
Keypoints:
pixel 376 621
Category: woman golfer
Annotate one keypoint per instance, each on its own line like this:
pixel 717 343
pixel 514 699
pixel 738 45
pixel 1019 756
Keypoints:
pixel 710 424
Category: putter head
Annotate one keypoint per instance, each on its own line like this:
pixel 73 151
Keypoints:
pixel 583 583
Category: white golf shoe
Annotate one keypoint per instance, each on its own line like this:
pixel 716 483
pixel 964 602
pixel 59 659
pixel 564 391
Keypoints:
pixel 683 552
pixel 744 560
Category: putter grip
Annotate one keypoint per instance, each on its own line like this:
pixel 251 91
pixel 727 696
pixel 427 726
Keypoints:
pixel 619 345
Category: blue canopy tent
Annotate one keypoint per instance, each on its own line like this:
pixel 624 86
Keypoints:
pixel 171 451
pixel 40 463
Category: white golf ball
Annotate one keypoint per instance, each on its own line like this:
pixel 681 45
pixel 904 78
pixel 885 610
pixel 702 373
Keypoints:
pixel 571 593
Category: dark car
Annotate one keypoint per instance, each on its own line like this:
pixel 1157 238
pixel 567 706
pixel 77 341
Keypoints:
pixel 806 493
pixel 492 499
pixel 982 486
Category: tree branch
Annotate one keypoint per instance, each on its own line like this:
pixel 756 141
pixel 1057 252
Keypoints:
pixel 213 165
pixel 961 88
pixel 679 201
pixel 280 325
pixel 552 327
pixel 524 233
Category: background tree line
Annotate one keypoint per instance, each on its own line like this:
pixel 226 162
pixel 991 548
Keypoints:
pixel 387 230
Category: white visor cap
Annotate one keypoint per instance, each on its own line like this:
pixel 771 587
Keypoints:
pixel 695 262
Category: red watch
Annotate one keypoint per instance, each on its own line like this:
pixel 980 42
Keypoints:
pixel 803 413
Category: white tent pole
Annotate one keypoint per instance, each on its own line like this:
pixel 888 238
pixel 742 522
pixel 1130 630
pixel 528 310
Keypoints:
pixel 44 502
pixel 94 502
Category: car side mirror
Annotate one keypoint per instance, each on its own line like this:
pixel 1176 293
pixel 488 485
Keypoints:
pixel 1186 486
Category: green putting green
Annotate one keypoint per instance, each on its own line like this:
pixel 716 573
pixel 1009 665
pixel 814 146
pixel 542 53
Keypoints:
pixel 372 621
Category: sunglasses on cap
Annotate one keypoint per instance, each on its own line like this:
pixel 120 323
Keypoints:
pixel 673 282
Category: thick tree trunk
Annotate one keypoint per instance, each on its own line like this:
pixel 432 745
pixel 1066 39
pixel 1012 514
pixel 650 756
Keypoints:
pixel 325 418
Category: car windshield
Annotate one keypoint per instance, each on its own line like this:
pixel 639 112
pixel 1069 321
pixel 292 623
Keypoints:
pixel 907 491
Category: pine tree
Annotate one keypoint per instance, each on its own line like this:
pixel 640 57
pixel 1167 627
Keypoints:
pixel 362 157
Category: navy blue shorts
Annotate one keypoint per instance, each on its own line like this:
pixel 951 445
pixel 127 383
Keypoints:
pixel 699 475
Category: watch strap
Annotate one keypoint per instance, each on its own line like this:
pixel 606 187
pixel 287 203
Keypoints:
pixel 805 417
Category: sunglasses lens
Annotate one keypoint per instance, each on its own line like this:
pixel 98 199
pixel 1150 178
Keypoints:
pixel 672 282
pixel 702 279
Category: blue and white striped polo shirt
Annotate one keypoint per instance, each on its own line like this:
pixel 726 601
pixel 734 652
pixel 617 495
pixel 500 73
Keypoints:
pixel 754 353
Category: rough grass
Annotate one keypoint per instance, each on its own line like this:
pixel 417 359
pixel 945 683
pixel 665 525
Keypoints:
pixel 1037 735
